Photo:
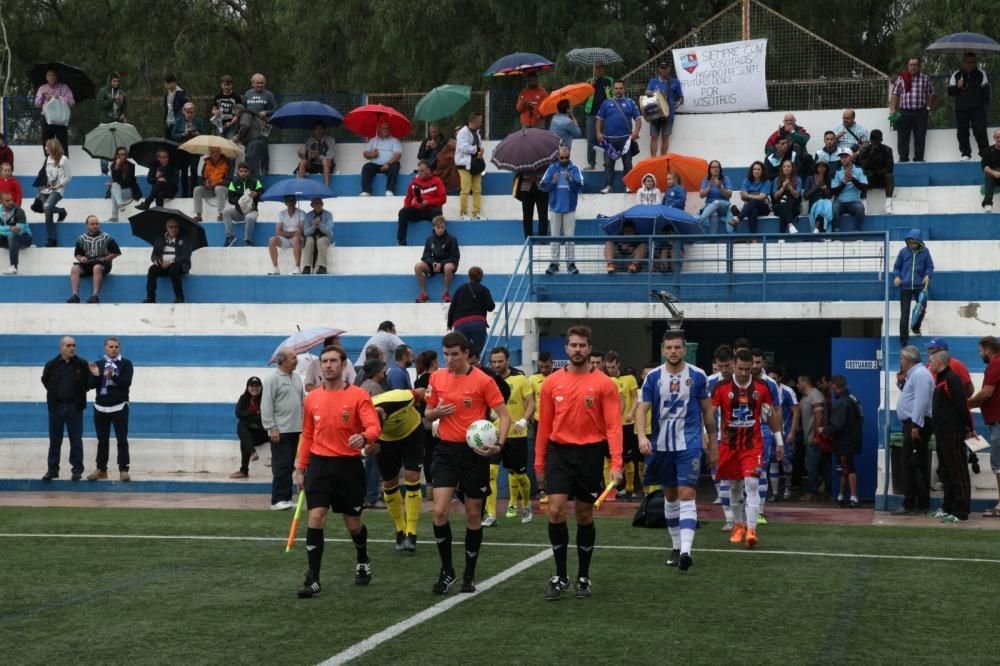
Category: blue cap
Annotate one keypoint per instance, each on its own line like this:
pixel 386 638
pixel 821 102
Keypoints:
pixel 937 343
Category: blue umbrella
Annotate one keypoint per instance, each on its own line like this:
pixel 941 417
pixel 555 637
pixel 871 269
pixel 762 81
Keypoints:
pixel 300 188
pixel 964 42
pixel 649 220
pixel 304 115
pixel 518 63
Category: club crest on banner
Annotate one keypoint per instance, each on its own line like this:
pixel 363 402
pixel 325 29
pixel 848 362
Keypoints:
pixel 689 62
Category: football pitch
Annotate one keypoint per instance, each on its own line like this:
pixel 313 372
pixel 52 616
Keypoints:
pixel 194 586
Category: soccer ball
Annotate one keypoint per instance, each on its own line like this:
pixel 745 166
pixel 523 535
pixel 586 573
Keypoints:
pixel 481 435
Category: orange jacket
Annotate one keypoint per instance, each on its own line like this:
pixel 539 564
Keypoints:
pixel 528 102
pixel 214 175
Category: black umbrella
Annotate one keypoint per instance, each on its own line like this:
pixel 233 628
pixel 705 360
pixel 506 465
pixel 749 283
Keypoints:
pixel 81 85
pixel 152 224
pixel 144 152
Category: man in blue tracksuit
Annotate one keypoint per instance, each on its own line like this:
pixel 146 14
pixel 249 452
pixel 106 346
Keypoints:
pixel 563 181
pixel 911 273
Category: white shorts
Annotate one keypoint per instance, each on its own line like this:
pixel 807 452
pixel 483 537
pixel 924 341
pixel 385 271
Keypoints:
pixel 284 242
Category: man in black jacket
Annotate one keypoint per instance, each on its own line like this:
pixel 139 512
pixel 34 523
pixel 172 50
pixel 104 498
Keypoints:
pixel 846 419
pixel 66 379
pixel 242 184
pixel 971 90
pixel 952 422
pixel 171 258
pixel 112 377
pixel 441 255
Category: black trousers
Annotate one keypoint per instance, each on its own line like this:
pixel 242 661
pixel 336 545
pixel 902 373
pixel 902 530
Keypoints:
pixel 282 462
pixel 173 271
pixel 954 472
pixel 906 297
pixel 370 170
pixel 102 426
pixel 60 132
pixel 535 199
pixel 429 443
pixel 189 178
pixel 160 192
pixel 916 463
pixel 412 214
pixel 976 120
pixel 249 440
pixel 912 122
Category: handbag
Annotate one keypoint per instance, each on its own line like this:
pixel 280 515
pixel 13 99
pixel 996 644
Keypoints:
pixel 477 164
pixel 634 147
pixel 56 112
pixel 38 205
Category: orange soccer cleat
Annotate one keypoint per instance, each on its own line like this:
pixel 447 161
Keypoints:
pixel 739 531
pixel 752 539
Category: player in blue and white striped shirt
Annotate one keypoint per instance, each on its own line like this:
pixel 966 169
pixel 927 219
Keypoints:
pixel 723 364
pixel 681 409
pixel 790 424
pixel 758 371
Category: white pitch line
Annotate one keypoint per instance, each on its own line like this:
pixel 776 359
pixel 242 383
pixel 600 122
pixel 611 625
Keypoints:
pixel 389 633
pixel 800 553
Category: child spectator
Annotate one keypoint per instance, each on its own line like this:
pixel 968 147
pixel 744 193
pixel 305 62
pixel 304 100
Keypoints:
pixel 676 195
pixel 10 184
pixel 441 255
pixel 250 430
pixel 649 194
pixel 6 154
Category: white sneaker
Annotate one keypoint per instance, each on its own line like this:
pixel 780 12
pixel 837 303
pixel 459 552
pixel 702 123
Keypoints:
pixel 296 271
pixel 477 217
pixel 11 271
pixel 463 216
pixel 888 206
pixel 364 194
pixel 283 506
pixel 988 208
pixel 815 231
pixel 274 271
pixel 489 521
pixel 728 527
pixel 390 193
pixel 606 189
pixel 792 229
pixel 964 158
pixel 526 515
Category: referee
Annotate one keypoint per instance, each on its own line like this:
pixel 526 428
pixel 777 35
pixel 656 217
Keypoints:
pixel 580 415
pixel 457 395
pixel 339 422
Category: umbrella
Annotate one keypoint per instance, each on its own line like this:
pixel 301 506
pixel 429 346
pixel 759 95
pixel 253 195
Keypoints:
pixel 690 169
pixel 81 85
pixel 526 150
pixel 365 120
pixel 302 189
pixel 102 141
pixel 650 220
pixel 518 63
pixel 965 42
pixel 144 152
pixel 305 339
pixel 574 92
pixel 594 56
pixel 201 144
pixel 305 115
pixel 152 224
pixel 442 102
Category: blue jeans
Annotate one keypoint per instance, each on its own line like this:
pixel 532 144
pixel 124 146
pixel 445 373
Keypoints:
pixel 475 331
pixel 66 416
pixel 817 464
pixel 50 207
pixel 609 164
pixel 119 195
pixel 591 138
pixel 282 462
pixel 715 214
pixel 15 242
pixel 855 209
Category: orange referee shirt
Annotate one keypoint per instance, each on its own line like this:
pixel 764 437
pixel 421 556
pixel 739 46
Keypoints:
pixel 331 417
pixel 579 409
pixel 472 394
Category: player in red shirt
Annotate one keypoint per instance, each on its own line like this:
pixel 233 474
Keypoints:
pixel 579 418
pixel 743 402
pixel 458 395
pixel 339 422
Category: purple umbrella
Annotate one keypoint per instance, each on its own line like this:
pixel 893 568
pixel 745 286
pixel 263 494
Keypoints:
pixel 526 150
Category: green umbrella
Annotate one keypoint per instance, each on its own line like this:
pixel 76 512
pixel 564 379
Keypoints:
pixel 102 141
pixel 442 102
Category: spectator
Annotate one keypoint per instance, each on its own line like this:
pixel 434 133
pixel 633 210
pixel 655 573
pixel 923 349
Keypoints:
pixel 432 145
pixel 66 379
pixel 876 160
pixel 911 273
pixel 316 156
pixel 385 340
pixel 467 312
pixel 912 97
pixel 788 127
pixel 249 428
pixel 94 252
pixel 163 178
pixel 214 182
pixel 787 197
pixel 244 196
pixel 226 102
pixel 124 187
pixel 850 133
pixel 845 427
pixel 812 408
pixel 913 409
pixel 112 377
pixel 426 363
pixel 288 233
pixel 6 154
pixel 313 376
pixel 991 172
pixel 374 377
pixel 444 166
pixel 383 153
pixel 935 345
pixel 564 124
pixel 527 190
pixel 281 416
pixel 48 91
pixel 830 150
pixel 10 184
pixel 57 176
pixel 785 149
pixel 528 102
pixel 617 128
pixel 820 198
pixel 670 88
pixel 847 187
pixel 250 130
pixel 174 99
pixel 563 180
pixel 425 197
pixel 262 103
pixel 112 103
pixel 971 90
pixel 756 195
pixel 469 149
pixel 372 353
pixel 171 258
pixel 631 252
pixel 988 401
pixel 397 377
pixel 440 256
pixel 952 423
pixel 318 231
pixel 676 195
pixel 15 232
pixel 716 190
pixel 373 384
pixel 187 127
pixel 649 194
pixel 603 90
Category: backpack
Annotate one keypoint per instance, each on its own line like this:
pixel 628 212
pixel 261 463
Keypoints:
pixel 650 511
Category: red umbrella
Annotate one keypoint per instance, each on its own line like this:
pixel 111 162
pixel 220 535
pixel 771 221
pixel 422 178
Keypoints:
pixel 365 120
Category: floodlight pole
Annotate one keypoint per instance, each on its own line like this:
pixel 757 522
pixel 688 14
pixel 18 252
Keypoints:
pixel 675 322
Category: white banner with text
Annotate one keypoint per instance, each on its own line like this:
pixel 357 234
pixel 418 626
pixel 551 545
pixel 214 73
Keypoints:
pixel 722 78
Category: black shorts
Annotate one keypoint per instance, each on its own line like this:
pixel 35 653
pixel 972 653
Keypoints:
pixel 457 465
pixel 514 455
pixel 630 444
pixel 87 269
pixel 575 470
pixel 406 453
pixel 316 166
pixel 337 482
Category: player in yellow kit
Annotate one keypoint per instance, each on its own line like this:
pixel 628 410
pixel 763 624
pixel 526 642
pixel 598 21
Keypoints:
pixel 545 368
pixel 520 406
pixel 402 447
pixel 628 389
